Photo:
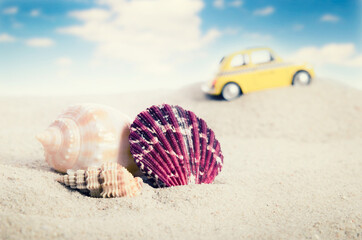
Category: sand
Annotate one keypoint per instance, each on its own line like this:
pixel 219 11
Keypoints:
pixel 292 170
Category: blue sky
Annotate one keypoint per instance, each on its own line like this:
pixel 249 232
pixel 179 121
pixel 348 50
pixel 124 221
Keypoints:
pixel 83 46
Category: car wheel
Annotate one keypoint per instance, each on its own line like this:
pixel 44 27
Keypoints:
pixel 230 91
pixel 301 78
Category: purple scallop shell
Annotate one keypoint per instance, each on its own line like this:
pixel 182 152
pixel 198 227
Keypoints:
pixel 174 147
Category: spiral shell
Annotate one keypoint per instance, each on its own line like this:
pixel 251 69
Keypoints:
pixel 111 180
pixel 87 135
pixel 174 147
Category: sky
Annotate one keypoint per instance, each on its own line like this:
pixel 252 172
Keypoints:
pixel 52 47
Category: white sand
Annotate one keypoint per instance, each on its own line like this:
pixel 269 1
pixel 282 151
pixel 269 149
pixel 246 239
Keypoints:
pixel 293 170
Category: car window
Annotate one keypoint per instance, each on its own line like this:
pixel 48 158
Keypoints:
pixel 262 56
pixel 239 60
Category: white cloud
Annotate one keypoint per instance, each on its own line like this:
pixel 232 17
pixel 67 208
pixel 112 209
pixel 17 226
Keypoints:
pixel 258 36
pixel 221 3
pixel 264 11
pixel 339 54
pixel 218 3
pixel 231 31
pixel 35 12
pixel 298 27
pixel 39 42
pixel 64 61
pixel 236 3
pixel 4 37
pixel 329 18
pixel 90 15
pixel 151 34
pixel 10 10
pixel 17 25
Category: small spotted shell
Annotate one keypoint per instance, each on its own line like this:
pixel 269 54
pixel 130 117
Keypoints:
pixel 110 180
pixel 87 135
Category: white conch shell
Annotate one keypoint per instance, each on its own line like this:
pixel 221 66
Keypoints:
pixel 87 135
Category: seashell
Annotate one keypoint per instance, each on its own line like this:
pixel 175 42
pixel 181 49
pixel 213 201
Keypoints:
pixel 110 180
pixel 87 135
pixel 174 147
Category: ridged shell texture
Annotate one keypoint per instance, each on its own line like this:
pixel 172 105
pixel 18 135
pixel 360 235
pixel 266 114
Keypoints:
pixel 174 147
pixel 111 180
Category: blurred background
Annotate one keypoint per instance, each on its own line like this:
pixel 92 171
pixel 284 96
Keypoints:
pixel 111 46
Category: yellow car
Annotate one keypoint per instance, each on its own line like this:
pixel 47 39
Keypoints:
pixel 255 69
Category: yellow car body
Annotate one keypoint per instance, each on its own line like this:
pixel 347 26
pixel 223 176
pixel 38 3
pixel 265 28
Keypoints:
pixel 253 73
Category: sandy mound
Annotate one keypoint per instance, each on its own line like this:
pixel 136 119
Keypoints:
pixel 292 170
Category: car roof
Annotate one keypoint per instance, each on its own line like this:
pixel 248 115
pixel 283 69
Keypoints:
pixel 249 50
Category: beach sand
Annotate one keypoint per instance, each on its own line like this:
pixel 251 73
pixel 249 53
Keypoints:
pixel 292 170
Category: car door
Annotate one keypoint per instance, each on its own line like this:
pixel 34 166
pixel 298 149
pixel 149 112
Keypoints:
pixel 265 69
pixel 241 72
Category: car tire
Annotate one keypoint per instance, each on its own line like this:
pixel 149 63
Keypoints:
pixel 301 78
pixel 231 91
